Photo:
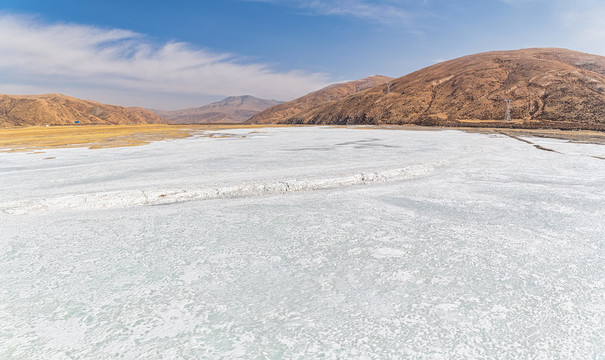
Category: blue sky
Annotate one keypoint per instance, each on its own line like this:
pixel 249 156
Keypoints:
pixel 184 53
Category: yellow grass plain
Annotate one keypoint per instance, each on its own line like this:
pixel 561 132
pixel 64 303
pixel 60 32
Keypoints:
pixel 98 136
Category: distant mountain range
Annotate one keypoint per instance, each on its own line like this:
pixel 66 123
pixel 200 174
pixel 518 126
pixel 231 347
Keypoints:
pixel 546 87
pixel 57 109
pixel 284 112
pixel 234 109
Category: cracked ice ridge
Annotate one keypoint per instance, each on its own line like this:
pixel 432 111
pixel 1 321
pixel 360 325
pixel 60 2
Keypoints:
pixel 108 200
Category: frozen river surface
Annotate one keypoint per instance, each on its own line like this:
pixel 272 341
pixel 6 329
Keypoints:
pixel 305 243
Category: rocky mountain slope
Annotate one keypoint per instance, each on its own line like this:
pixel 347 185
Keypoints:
pixel 57 109
pixel 547 87
pixel 234 109
pixel 286 111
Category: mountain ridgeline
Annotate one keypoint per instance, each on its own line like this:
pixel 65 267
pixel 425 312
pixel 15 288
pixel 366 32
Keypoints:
pixel 546 87
pixel 56 109
pixel 283 113
pixel 537 88
pixel 234 109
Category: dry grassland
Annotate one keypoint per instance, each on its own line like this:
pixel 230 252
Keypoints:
pixel 99 136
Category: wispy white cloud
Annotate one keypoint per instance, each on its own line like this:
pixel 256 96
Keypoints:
pixel 73 55
pixel 518 2
pixel 383 11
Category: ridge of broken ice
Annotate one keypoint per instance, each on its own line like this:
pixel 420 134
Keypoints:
pixel 118 199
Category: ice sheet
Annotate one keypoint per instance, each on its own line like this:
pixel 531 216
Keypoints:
pixel 396 244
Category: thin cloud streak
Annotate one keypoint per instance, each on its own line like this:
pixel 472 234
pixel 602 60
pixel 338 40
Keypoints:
pixel 383 11
pixel 35 52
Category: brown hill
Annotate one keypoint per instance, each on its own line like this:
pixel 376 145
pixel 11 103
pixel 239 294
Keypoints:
pixel 284 112
pixel 56 109
pixel 548 87
pixel 234 109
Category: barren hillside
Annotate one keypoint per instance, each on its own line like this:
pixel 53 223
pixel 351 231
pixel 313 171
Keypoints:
pixel 284 112
pixel 56 109
pixel 549 87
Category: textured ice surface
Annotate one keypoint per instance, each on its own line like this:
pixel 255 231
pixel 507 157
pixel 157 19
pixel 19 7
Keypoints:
pixel 305 243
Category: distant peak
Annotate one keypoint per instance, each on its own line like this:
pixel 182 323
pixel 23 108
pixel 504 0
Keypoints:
pixel 243 99
pixel 240 97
